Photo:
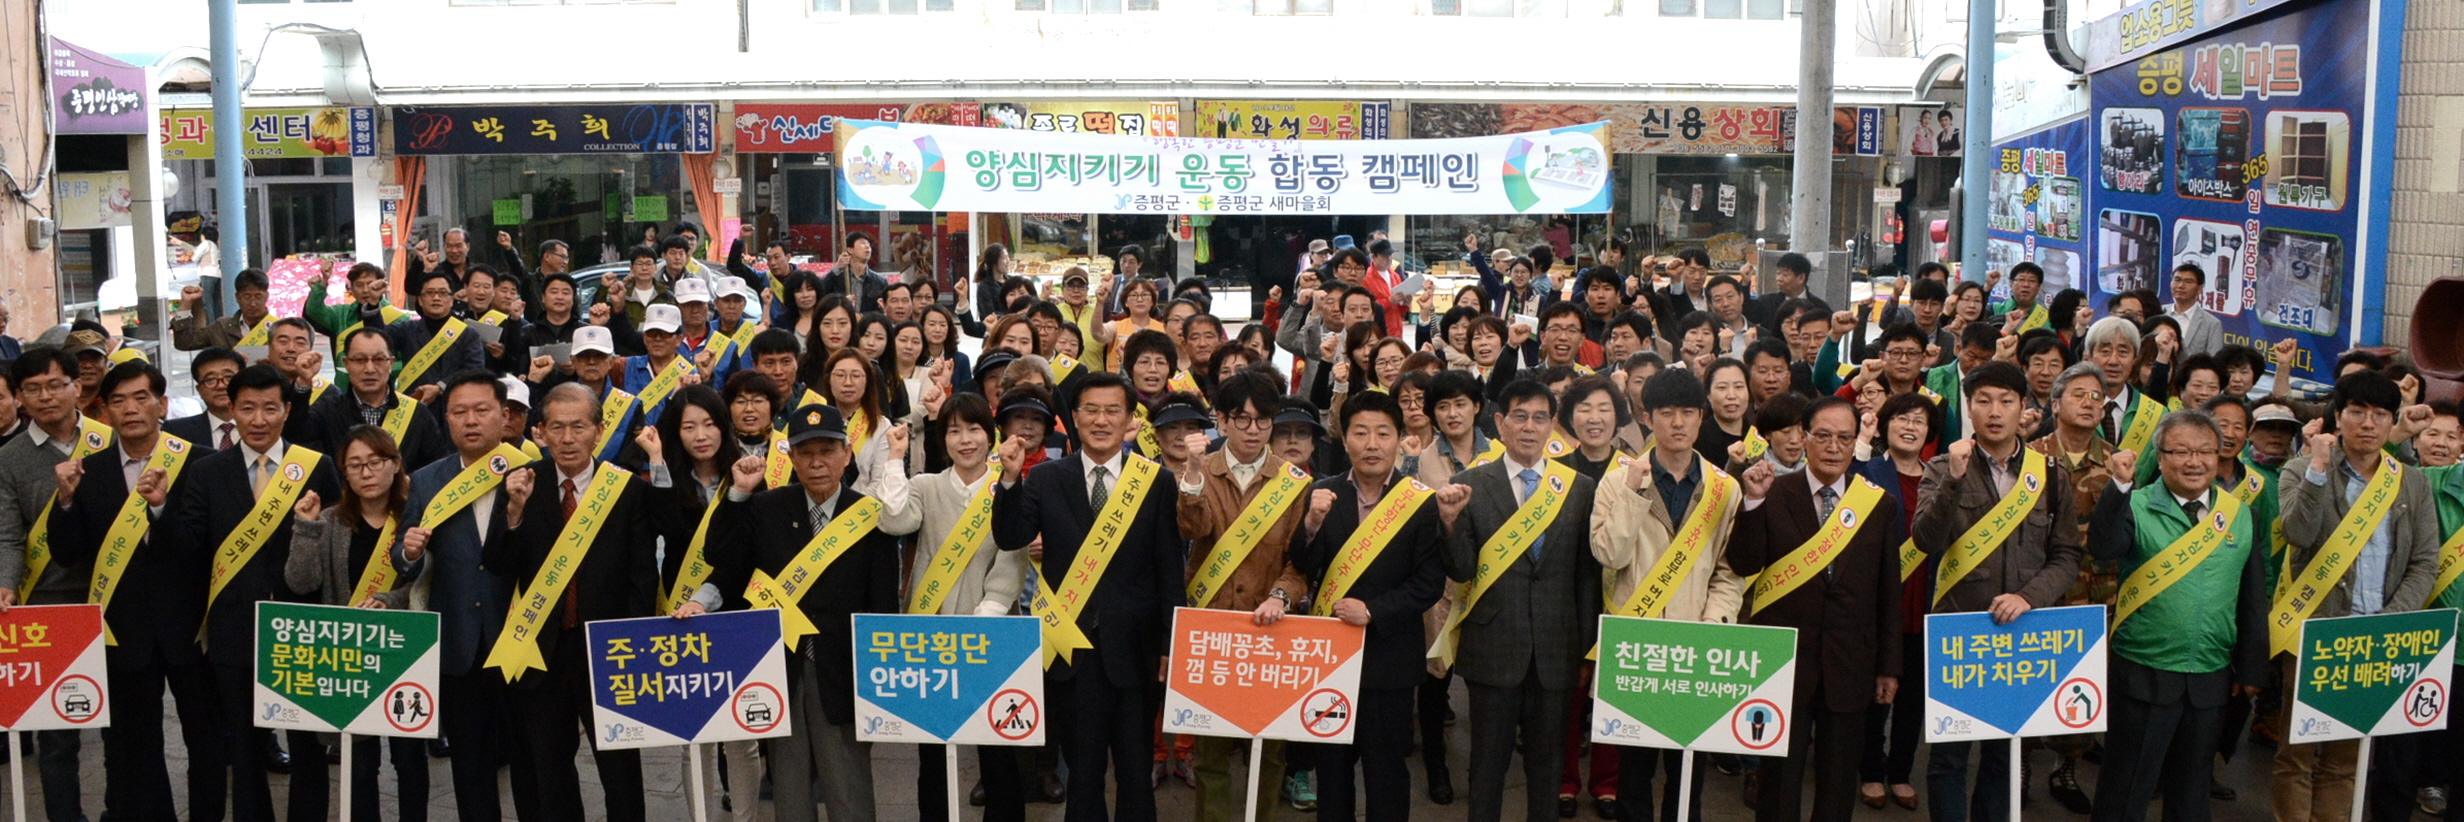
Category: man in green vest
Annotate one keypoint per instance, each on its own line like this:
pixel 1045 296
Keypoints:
pixel 2182 640
pixel 2367 522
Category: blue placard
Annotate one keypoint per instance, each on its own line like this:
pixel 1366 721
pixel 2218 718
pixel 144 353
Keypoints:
pixel 667 681
pixel 2041 675
pixel 968 679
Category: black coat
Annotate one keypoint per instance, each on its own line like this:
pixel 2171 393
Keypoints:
pixel 333 418
pixel 161 595
pixel 1847 618
pixel 1404 581
pixel 768 530
pixel 1129 615
pixel 619 576
pixel 212 499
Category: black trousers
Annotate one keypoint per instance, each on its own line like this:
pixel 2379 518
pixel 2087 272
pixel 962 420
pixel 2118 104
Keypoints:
pixel 1892 732
pixel 1502 716
pixel 410 755
pixel 1825 741
pixel 2158 744
pixel 1432 697
pixel 1005 797
pixel 1381 739
pixel 476 713
pixel 1103 727
pixel 252 798
pixel 1634 773
pixel 137 780
pixel 554 717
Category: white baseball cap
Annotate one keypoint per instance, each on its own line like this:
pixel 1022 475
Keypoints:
pixel 517 391
pixel 595 338
pixel 691 290
pixel 735 287
pixel 664 317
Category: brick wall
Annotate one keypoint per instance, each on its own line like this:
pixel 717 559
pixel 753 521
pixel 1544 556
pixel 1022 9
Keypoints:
pixel 2427 219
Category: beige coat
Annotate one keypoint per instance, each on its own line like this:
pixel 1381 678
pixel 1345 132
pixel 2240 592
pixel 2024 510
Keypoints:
pixel 1631 529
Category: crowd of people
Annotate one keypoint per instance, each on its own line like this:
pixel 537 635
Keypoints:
pixel 1473 478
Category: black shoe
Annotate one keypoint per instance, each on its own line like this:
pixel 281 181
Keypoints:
pixel 1605 806
pixel 439 748
pixel 1441 787
pixel 975 795
pixel 1054 792
pixel 1727 764
pixel 2221 793
pixel 1567 806
pixel 1752 791
pixel 2063 784
pixel 276 759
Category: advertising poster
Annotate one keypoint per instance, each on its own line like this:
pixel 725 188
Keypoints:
pixel 665 681
pixel 2039 207
pixel 354 670
pixel 1297 679
pixel 912 167
pixel 1699 686
pixel 51 668
pixel 2375 675
pixel 611 128
pixel 1293 120
pixel 2042 674
pixel 1932 131
pixel 188 134
pixel 771 128
pixel 2244 148
pixel 95 94
pixel 973 680
pixel 1143 119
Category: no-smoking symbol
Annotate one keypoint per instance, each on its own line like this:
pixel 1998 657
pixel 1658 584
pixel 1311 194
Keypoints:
pixel 1013 714
pixel 2425 703
pixel 409 707
pixel 1325 713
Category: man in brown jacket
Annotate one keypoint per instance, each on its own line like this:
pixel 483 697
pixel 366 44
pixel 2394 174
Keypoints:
pixel 1999 523
pixel 1220 491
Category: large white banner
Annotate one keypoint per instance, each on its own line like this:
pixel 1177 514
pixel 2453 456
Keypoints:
pixel 919 167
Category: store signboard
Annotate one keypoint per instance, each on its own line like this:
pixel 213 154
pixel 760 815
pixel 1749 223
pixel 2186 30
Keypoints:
pixel 188 134
pixel 2037 212
pixel 94 93
pixel 613 128
pixel 911 167
pixel 1634 128
pixel 2147 26
pixel 1149 119
pixel 772 128
pixel 1293 119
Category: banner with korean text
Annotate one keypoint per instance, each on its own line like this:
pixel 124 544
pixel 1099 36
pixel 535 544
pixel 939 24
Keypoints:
pixel 2378 675
pixel 976 680
pixel 353 670
pixel 2042 674
pixel 887 166
pixel 51 668
pixel 1297 679
pixel 1699 686
pixel 709 678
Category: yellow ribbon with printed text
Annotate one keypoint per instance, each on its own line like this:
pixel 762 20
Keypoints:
pixel 1368 541
pixel 379 576
pixel 2141 427
pixel 478 479
pixel 776 468
pixel 612 411
pixel 517 646
pixel 1274 496
pixel 92 436
pixel 785 592
pixel 1999 523
pixel 1794 569
pixel 696 567
pixel 2176 560
pixel 1058 608
pixel 261 334
pixel 1505 547
pixel 274 503
pixel 2300 598
pixel 1686 547
pixel 665 382
pixel 397 420
pixel 429 354
pixel 129 527
pixel 1910 559
pixel 958 549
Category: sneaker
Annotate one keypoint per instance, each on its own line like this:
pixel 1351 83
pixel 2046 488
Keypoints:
pixel 2433 800
pixel 1187 773
pixel 1301 790
pixel 2063 784
pixel 1155 777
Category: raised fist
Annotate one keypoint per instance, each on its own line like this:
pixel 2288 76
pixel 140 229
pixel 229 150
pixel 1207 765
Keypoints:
pixel 1757 479
pixel 1959 452
pixel 1320 502
pixel 649 440
pixel 1451 500
pixel 309 506
pixel 414 543
pixel 2122 465
pixel 67 475
pixel 747 472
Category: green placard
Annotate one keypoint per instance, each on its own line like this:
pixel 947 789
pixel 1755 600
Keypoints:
pixel 509 212
pixel 356 670
pixel 650 209
pixel 2376 675
pixel 1695 685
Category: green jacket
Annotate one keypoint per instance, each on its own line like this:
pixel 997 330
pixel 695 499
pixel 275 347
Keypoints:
pixel 1945 381
pixel 2447 486
pixel 2192 626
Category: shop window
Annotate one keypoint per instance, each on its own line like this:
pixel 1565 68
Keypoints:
pixel 1766 9
pixel 1676 8
pixel 1073 6
pixel 1293 7
pixel 1724 9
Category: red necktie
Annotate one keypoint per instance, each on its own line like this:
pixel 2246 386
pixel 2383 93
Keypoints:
pixel 573 607
pixel 225 445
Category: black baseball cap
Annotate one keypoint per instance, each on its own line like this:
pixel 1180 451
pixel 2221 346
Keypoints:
pixel 1181 412
pixel 815 421
pixel 1026 405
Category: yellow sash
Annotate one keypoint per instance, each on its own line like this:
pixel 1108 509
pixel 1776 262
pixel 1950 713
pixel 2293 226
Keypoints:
pixel 1792 571
pixel 1496 449
pixel 378 577
pixel 517 646
pixel 1755 445
pixel 958 550
pixel 1058 609
pixel 1369 540
pixel 1559 445
pixel 475 480
pixel 1971 548
pixel 260 334
pixel 493 317
pixel 397 421
pixel 428 355
pixel 696 567
pixel 1148 445
pixel 665 382
pixel 129 527
pixel 612 411
pixel 317 389
pixel 1182 381
pixel 776 469
pixel 1686 547
pixel 530 451
pixel 859 430
pixel 742 340
pixel 2038 317
pixel 1505 547
pixel 1910 559
pixel 1275 496
pixel 2176 560
pixel 92 436
pixel 786 591
pixel 273 506
pixel 2141 427
pixel 2296 601
pixel 1063 367
pixel 388 312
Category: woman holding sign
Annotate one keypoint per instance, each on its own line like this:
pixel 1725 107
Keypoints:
pixel 693 433
pixel 330 559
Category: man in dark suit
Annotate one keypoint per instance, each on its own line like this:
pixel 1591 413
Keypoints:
pixel 470 599
pixel 617 578
pixel 1522 641
pixel 151 603
pixel 1788 279
pixel 775 531
pixel 223 490
pixel 211 429
pixel 1099 693
pixel 1829 540
pixel 370 399
pixel 433 294
pixel 1401 575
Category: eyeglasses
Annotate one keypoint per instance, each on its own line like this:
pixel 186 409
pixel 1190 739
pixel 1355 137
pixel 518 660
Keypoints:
pixel 2189 453
pixel 360 359
pixel 1839 438
pixel 1248 422
pixel 374 465
pixel 218 379
pixel 1902 353
pixel 1527 418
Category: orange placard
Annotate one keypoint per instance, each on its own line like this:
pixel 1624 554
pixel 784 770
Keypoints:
pixel 1228 676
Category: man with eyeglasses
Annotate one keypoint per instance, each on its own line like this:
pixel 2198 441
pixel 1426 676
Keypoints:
pixel 441 344
pixel 44 380
pixel 2129 417
pixel 368 361
pixel 2078 396
pixel 211 429
pixel 1830 539
pixel 1999 526
pixel 368 305
pixel 1900 370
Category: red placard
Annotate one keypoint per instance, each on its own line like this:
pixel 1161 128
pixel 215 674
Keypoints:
pixel 1228 676
pixel 41 647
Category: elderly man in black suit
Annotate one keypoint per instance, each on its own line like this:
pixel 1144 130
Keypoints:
pixel 1524 633
pixel 1098 687
pixel 211 429
pixel 1823 541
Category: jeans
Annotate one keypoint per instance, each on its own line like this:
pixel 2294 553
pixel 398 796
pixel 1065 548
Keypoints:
pixel 1948 797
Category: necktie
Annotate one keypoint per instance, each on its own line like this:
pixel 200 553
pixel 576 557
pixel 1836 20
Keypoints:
pixel 2196 509
pixel 225 442
pixel 573 605
pixel 1825 501
pixel 1530 480
pixel 263 474
pixel 2112 409
pixel 820 517
pixel 1103 489
pixel 568 500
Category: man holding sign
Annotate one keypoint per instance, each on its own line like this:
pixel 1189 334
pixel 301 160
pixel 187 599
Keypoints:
pixel 2363 530
pixel 2189 623
pixel 1822 545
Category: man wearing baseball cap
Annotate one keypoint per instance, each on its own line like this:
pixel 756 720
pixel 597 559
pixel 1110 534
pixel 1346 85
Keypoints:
pixel 596 366
pixel 772 534
pixel 657 375
pixel 731 331
pixel 693 306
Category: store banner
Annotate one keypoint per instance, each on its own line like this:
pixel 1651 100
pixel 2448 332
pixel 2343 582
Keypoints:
pixel 657 681
pixel 1700 686
pixel 2037 212
pixel 188 134
pixel 51 668
pixel 1160 118
pixel 1634 128
pixel 1931 131
pixel 2148 25
pixel 2250 151
pixel 1293 120
pixel 772 128
pixel 1298 679
pixel 910 167
pixel 613 128
pixel 355 670
pixel 2042 674
pixel 976 680
pixel 2372 676
pixel 95 199
pixel 95 94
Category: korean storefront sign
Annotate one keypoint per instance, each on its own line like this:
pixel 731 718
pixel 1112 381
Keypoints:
pixel 2037 212
pixel 616 128
pixel 1297 679
pixel 805 127
pixel 353 670
pixel 51 668
pixel 1293 120
pixel 188 134
pixel 2372 676
pixel 1699 686
pixel 2042 674
pixel 976 680
pixel 1634 128
pixel 1160 118
pixel 910 167
pixel 92 93
pixel 659 681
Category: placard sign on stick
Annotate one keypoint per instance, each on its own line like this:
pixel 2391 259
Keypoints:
pixel 664 681
pixel 2378 675
pixel 51 668
pixel 2042 674
pixel 1699 686
pixel 976 680
pixel 354 670
pixel 1297 679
